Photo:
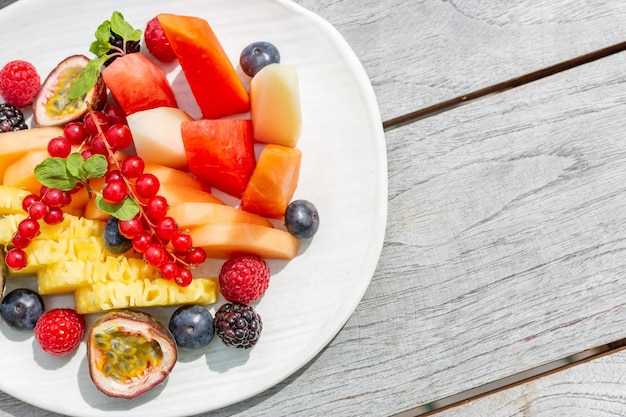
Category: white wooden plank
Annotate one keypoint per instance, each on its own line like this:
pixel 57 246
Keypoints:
pixel 419 53
pixel 590 389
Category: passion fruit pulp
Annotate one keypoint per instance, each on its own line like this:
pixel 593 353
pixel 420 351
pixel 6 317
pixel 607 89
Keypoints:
pixel 53 106
pixel 129 352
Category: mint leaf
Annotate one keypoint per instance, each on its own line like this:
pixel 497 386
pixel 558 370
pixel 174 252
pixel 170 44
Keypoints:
pixel 94 167
pixel 74 163
pixel 52 172
pixel 100 48
pixel 123 28
pixel 123 211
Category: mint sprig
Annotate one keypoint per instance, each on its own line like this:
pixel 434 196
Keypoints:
pixel 103 50
pixel 65 174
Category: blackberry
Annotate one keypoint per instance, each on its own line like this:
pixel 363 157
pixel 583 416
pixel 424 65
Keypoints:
pixel 11 118
pixel 118 42
pixel 238 325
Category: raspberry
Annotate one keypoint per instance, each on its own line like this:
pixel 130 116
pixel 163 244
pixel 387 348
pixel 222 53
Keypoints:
pixel 19 83
pixel 157 42
pixel 244 279
pixel 60 330
pixel 238 325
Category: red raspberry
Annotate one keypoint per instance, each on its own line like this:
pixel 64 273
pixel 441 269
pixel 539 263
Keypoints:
pixel 60 330
pixel 157 43
pixel 244 279
pixel 19 83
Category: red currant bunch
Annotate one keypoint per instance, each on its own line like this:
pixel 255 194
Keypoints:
pixel 152 232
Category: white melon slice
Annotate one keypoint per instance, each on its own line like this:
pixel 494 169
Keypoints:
pixel 157 137
pixel 275 105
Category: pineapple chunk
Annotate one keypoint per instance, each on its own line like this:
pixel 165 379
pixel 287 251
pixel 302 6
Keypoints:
pixel 11 199
pixel 45 252
pixel 144 293
pixel 66 277
pixel 70 227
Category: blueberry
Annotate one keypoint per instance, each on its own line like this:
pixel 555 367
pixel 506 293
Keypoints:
pixel 302 219
pixel 191 326
pixel 21 308
pixel 256 56
pixel 113 240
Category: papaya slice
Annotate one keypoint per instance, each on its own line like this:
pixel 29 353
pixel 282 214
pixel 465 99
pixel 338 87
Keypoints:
pixel 211 76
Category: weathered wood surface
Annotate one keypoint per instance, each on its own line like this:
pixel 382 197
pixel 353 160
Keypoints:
pixel 506 216
pixel 590 389
pixel 422 52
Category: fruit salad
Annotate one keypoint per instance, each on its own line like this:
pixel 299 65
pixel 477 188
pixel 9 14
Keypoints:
pixel 117 196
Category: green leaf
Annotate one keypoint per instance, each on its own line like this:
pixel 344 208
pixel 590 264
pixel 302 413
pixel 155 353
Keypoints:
pixel 74 163
pixel 123 28
pixel 94 167
pixel 52 172
pixel 123 211
pixel 88 77
pixel 102 33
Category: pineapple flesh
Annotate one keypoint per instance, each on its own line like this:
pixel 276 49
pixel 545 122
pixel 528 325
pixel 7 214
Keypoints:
pixel 144 292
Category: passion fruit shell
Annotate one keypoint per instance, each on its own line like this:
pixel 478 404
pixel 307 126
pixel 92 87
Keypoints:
pixel 129 352
pixel 54 107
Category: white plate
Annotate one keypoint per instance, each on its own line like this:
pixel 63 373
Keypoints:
pixel 343 172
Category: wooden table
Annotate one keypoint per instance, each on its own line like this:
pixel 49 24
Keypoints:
pixel 506 241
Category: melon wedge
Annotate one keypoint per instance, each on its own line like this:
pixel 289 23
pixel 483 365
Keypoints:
pixel 273 181
pixel 197 214
pixel 17 144
pixel 227 240
pixel 221 152
pixel 157 136
pixel 138 84
pixel 20 173
pixel 275 105
pixel 211 76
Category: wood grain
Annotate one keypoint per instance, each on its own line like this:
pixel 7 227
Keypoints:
pixel 591 389
pixel 419 53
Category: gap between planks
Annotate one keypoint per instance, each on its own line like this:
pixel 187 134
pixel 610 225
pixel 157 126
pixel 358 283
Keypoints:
pixel 433 408
pixel 461 398
pixel 502 86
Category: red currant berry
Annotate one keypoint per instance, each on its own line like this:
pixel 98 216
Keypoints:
pixel 15 259
pixel 156 208
pixel 20 241
pixel 37 210
pixel 114 192
pixel 196 256
pixel 181 242
pixel 113 175
pixel 141 241
pixel 154 254
pixel 75 133
pixel 90 123
pixel 133 166
pixel 98 146
pixel 147 185
pixel 184 277
pixel 28 228
pixel 67 197
pixel 54 197
pixel 115 114
pixel 53 216
pixel 130 228
pixel 87 153
pixel 42 191
pixel 119 137
pixel 28 200
pixel 59 147
pixel 166 228
pixel 169 270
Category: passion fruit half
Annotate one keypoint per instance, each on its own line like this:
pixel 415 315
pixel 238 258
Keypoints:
pixel 53 106
pixel 129 352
